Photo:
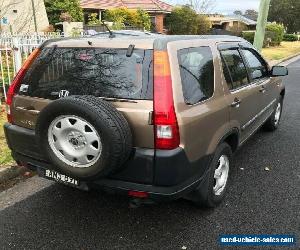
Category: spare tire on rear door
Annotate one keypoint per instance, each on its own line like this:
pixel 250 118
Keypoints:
pixel 84 137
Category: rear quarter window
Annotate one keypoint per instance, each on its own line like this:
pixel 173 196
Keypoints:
pixel 102 72
pixel 197 74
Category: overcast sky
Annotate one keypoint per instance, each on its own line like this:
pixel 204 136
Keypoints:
pixel 226 6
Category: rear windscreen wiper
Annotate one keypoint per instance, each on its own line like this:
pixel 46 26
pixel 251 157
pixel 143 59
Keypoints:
pixel 112 99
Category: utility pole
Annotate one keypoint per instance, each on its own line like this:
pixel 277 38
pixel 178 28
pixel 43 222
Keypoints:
pixel 34 16
pixel 261 24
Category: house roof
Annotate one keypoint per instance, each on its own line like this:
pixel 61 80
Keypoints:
pixel 220 19
pixel 148 5
pixel 243 19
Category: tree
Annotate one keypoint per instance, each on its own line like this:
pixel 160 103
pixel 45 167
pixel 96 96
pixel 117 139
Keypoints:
pixel 202 6
pixel 55 8
pixel 93 19
pixel 143 20
pixel 252 14
pixel 287 13
pixel 185 21
pixel 238 12
pixel 122 17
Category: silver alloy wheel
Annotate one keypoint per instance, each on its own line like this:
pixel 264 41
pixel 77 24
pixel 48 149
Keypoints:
pixel 221 175
pixel 277 114
pixel 74 141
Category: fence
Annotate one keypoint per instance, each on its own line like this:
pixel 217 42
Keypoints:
pixel 14 50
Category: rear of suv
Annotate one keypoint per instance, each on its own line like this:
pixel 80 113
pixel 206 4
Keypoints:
pixel 154 117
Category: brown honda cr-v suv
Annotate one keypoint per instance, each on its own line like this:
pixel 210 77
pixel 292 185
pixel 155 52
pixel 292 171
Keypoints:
pixel 155 117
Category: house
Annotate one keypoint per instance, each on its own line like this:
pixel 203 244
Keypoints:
pixel 234 23
pixel 156 9
pixel 17 16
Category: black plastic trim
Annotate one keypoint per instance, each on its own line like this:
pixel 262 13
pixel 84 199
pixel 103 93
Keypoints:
pixel 164 174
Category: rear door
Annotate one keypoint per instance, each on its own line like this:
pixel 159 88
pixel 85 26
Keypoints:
pixel 243 97
pixel 125 80
pixel 259 74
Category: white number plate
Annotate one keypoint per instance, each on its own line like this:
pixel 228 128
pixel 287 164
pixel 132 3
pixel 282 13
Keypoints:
pixel 61 177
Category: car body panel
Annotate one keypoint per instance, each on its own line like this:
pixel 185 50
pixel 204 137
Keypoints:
pixel 137 114
pixel 208 119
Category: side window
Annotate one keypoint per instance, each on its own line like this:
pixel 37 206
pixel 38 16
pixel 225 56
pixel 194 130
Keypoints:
pixel 234 69
pixel 197 73
pixel 257 68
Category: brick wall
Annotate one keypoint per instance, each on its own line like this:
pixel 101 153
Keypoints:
pixel 159 22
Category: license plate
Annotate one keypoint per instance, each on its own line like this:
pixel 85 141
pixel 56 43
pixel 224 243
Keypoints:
pixel 53 175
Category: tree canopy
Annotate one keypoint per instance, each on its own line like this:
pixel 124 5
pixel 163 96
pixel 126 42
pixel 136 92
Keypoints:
pixel 250 13
pixel 238 12
pixel 123 16
pixel 184 20
pixel 287 13
pixel 55 8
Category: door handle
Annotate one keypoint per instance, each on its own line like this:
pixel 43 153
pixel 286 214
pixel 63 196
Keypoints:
pixel 28 110
pixel 236 103
pixel 262 89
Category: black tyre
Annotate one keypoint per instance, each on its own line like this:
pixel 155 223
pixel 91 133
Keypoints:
pixel 84 137
pixel 212 189
pixel 273 122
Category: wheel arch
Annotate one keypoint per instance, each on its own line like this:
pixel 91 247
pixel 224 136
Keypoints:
pixel 232 139
pixel 282 93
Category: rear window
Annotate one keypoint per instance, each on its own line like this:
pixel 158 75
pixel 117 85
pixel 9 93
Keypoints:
pixel 100 72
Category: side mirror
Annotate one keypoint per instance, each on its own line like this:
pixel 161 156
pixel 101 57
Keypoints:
pixel 279 71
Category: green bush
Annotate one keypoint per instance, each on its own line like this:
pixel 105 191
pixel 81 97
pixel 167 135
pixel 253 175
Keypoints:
pixel 290 37
pixel 122 17
pixel 184 20
pixel 93 19
pixel 273 35
pixel 55 8
pixel 275 32
pixel 249 36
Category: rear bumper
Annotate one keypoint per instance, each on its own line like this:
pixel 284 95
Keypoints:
pixel 163 174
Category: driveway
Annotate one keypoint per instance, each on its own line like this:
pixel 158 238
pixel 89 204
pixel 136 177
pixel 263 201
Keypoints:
pixel 38 214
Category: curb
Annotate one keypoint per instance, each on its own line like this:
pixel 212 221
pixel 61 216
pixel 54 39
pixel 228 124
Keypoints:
pixel 8 173
pixel 277 62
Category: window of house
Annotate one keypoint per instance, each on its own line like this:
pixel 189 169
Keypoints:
pixel 197 74
pixel 234 69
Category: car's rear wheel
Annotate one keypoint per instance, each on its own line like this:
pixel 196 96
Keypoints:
pixel 212 189
pixel 273 122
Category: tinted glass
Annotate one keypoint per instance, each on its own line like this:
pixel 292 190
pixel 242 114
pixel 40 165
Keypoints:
pixel 84 71
pixel 257 67
pixel 197 73
pixel 234 69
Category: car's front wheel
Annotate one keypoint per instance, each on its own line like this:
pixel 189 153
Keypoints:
pixel 212 189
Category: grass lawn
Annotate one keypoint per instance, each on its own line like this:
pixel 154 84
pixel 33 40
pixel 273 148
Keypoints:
pixel 5 157
pixel 286 49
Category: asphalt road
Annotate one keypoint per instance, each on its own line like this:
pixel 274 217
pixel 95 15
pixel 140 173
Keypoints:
pixel 40 215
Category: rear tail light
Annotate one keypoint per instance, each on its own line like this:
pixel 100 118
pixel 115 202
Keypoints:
pixel 138 194
pixel 165 121
pixel 15 86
